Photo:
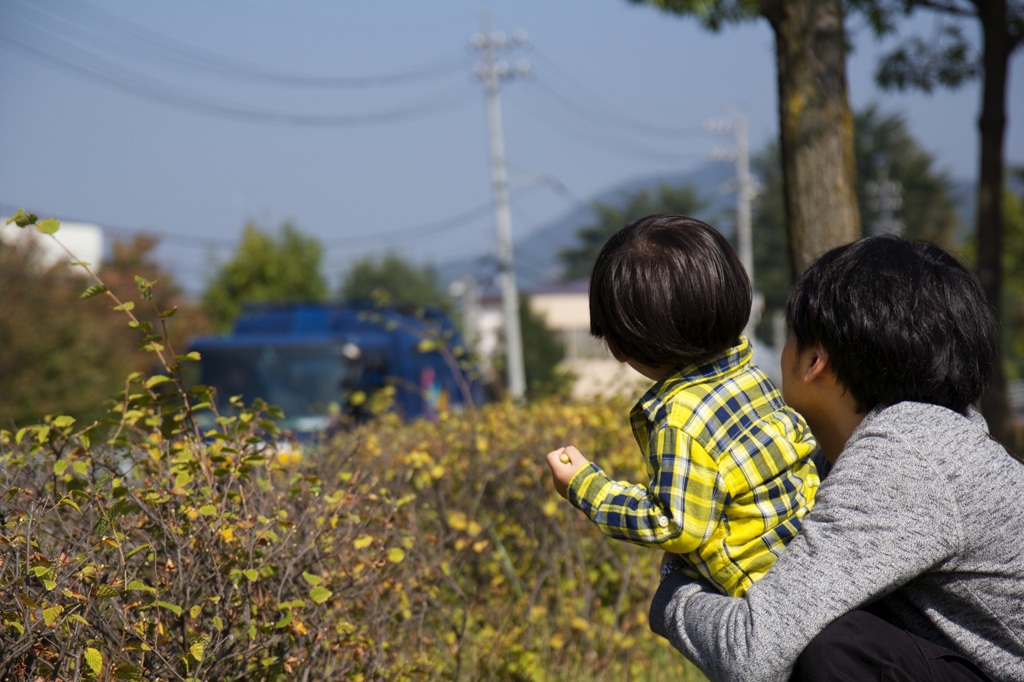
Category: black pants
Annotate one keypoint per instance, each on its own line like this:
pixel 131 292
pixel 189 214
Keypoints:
pixel 861 646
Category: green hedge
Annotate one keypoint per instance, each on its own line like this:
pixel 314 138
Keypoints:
pixel 430 550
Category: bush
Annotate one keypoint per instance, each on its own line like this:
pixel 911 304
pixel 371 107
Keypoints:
pixel 140 548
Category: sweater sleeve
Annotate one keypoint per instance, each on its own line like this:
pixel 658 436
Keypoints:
pixel 882 517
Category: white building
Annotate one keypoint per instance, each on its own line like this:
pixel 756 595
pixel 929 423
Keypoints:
pixel 565 309
pixel 84 240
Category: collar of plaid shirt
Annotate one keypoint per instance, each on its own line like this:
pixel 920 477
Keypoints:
pixel 727 361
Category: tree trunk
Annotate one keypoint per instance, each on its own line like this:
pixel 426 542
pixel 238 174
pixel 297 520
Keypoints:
pixel 815 126
pixel 989 217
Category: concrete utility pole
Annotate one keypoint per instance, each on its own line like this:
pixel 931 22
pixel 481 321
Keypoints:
pixel 491 72
pixel 746 191
pixel 886 197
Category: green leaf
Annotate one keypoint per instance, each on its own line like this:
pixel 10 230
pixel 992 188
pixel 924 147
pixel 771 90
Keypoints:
pixel 63 421
pixel 22 219
pixel 69 502
pixel 127 672
pixel 320 594
pixel 94 659
pixel 208 509
pixel 173 608
pixel 138 549
pixel 48 226
pixel 157 380
pixel 126 306
pixel 139 586
pixel 93 291
pixel 60 466
pixel 251 574
pixel 51 614
pixel 312 579
pixel 285 620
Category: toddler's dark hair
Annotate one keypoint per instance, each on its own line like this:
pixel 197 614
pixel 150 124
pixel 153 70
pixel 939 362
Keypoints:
pixel 668 290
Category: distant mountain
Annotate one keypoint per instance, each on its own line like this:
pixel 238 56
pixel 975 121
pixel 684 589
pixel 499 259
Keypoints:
pixel 536 253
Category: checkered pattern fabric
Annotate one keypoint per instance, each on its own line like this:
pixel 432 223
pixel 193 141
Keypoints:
pixel 730 469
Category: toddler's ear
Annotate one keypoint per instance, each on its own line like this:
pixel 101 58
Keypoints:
pixel 615 352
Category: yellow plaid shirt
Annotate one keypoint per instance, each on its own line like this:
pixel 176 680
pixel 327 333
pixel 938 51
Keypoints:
pixel 730 468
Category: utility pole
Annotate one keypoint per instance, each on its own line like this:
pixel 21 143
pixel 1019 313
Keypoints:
pixel 746 191
pixel 886 197
pixel 491 72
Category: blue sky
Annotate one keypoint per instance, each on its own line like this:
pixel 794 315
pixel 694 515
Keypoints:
pixel 362 122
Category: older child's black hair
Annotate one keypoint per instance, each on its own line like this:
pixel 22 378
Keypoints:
pixel 668 290
pixel 901 320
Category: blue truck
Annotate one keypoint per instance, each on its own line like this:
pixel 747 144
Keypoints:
pixel 320 361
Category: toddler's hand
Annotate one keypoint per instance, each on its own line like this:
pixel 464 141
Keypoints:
pixel 564 463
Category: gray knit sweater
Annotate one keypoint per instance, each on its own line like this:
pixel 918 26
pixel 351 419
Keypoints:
pixel 923 513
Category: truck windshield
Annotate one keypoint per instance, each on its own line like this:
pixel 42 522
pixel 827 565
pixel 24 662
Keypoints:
pixel 303 381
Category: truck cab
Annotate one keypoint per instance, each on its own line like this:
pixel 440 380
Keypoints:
pixel 317 361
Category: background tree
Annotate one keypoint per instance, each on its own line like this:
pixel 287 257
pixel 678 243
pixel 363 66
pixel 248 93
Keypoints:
pixel 543 352
pixel 612 216
pixel 61 355
pixel 885 148
pixel 133 258
pixel 400 280
pixel 948 60
pixel 1013 268
pixel 265 268
pixel 815 121
pixel 883 145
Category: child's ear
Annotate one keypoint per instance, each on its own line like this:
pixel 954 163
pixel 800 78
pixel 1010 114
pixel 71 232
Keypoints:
pixel 619 357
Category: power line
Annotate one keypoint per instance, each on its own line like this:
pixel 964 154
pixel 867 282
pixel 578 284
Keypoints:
pixel 608 140
pixel 143 86
pixel 133 40
pixel 601 108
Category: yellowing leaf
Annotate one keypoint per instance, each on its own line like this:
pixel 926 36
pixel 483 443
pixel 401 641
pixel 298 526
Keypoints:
pixel 396 555
pixel 363 541
pixel 138 585
pixel 251 574
pixel 94 659
pixel 580 624
pixel 550 507
pixel 474 528
pixel 48 226
pixel 320 594
pixel 51 614
pixel 63 421
pixel 457 520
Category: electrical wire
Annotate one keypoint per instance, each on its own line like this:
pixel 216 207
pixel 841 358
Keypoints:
pixel 140 85
pixel 601 108
pixel 135 42
pixel 608 140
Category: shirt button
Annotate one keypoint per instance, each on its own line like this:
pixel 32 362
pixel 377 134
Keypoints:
pixel 662 521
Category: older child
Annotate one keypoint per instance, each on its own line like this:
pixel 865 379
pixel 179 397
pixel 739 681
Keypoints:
pixel 731 475
pixel 911 565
